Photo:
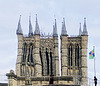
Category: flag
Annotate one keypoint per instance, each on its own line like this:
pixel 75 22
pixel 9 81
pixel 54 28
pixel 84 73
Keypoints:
pixel 91 54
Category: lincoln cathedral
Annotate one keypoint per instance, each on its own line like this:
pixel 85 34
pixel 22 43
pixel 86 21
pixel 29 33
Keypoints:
pixel 38 62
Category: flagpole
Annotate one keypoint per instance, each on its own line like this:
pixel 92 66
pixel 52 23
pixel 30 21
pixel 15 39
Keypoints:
pixel 95 78
pixel 94 62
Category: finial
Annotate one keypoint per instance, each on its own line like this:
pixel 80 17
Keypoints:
pixel 20 18
pixel 37 31
pixel 29 18
pixel 55 24
pixel 63 32
pixel 30 27
pixel 55 29
pixel 80 31
pixel 19 30
pixel 84 28
pixel 55 20
pixel 85 22
pixel 63 20
pixel 36 17
pixel 84 18
pixel 80 25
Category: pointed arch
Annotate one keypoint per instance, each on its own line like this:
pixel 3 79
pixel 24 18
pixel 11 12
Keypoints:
pixel 30 53
pixel 30 60
pixel 24 57
pixel 24 52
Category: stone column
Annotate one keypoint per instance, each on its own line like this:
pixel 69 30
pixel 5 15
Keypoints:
pixel 84 59
pixel 73 58
pixel 20 54
pixel 64 56
pixel 49 61
pixel 44 61
pixel 37 60
pixel 56 55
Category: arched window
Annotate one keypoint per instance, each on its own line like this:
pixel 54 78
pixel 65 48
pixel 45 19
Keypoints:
pixel 24 52
pixel 70 52
pixel 30 54
pixel 30 60
pixel 77 55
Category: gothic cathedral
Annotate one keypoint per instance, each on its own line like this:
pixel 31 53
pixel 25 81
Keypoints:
pixel 38 58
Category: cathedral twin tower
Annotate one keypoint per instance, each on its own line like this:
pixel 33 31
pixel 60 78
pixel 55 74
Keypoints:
pixel 38 55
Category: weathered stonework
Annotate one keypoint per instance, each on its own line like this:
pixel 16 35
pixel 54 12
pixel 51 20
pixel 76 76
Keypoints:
pixel 38 59
pixel 74 57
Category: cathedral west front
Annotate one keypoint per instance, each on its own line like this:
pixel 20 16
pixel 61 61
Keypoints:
pixel 38 62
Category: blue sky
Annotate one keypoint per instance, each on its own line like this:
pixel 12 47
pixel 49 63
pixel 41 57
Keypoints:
pixel 74 12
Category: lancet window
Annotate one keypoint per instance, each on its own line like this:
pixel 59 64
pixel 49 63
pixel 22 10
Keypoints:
pixel 51 62
pixel 77 55
pixel 47 57
pixel 24 52
pixel 41 60
pixel 28 66
pixel 70 52
pixel 47 62
pixel 30 54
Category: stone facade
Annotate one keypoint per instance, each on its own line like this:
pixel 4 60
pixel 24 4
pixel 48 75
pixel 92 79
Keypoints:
pixel 38 58
pixel 74 57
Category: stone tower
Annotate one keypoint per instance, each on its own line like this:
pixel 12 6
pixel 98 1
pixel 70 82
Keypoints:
pixel 37 55
pixel 74 53
pixel 38 58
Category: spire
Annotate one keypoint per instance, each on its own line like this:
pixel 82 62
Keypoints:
pixel 30 27
pixel 84 28
pixel 64 32
pixel 55 29
pixel 37 31
pixel 19 30
pixel 80 31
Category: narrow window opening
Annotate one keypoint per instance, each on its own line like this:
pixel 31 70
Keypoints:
pixel 47 62
pixel 68 56
pixel 32 54
pixel 70 60
pixel 24 52
pixel 51 63
pixel 28 60
pixel 41 60
pixel 71 56
pixel 77 55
